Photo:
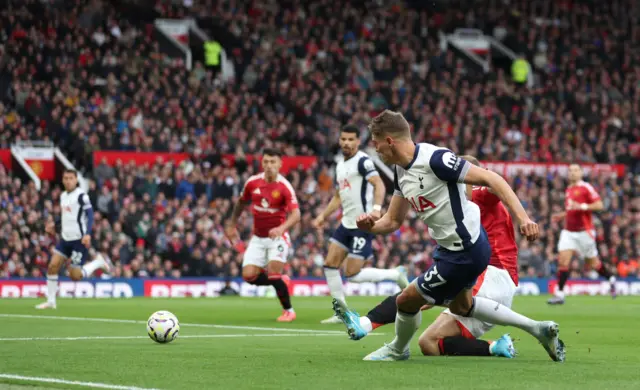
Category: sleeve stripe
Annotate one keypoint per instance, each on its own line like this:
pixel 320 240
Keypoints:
pixel 464 171
pixel 372 174
pixel 398 193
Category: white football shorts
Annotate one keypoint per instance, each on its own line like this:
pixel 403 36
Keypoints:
pixel 262 250
pixel 583 243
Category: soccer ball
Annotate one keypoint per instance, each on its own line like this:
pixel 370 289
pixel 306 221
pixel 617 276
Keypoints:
pixel 163 327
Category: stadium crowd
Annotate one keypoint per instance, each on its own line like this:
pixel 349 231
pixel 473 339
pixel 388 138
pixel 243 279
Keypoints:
pixel 87 77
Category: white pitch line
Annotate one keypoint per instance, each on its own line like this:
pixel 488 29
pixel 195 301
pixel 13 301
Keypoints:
pixel 214 326
pixel 96 385
pixel 204 336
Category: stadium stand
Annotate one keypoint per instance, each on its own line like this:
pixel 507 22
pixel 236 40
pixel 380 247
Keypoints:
pixel 87 77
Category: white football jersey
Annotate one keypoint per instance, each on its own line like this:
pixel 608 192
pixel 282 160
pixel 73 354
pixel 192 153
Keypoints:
pixel 433 184
pixel 356 193
pixel 74 218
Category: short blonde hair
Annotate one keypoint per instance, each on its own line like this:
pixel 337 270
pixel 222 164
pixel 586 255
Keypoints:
pixel 390 123
pixel 471 159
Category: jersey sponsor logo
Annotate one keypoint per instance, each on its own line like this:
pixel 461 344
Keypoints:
pixel 264 203
pixel 344 184
pixel 66 209
pixel 451 161
pixel 420 204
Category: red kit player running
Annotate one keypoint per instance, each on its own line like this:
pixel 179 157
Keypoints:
pixel 578 235
pixel 451 334
pixel 271 197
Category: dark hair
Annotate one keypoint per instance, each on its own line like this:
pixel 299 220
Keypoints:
pixel 72 171
pixel 271 152
pixel 351 129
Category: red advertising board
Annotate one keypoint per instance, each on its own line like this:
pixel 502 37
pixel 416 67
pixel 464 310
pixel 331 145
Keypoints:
pixel 513 168
pixel 288 162
pixel 5 158
pixel 139 158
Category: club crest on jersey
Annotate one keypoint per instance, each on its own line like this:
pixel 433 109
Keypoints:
pixel 420 204
pixel 275 194
pixel 344 184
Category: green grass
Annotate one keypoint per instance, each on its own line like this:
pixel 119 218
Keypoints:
pixel 601 336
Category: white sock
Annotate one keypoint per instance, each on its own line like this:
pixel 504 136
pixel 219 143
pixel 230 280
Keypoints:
pixel 406 327
pixel 559 293
pixel 52 288
pixel 375 275
pixel 493 312
pixel 291 310
pixel 334 281
pixel 366 324
pixel 91 267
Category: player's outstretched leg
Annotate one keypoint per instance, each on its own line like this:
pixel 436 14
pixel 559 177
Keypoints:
pixel 281 284
pixel 445 336
pixel 332 263
pixel 493 312
pixel 408 319
pixel 359 326
pixel 99 262
pixel 52 281
pixel 603 271
pixel 356 274
pixel 563 276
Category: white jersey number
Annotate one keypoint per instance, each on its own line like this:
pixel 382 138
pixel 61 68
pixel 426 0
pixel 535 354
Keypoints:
pixel 359 243
pixel 76 257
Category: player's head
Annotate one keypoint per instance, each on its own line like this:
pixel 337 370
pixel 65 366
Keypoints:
pixel 70 180
pixel 271 162
pixel 389 130
pixel 471 159
pixel 349 140
pixel 575 173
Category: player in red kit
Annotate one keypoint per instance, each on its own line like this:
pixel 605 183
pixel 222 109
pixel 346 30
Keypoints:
pixel 451 334
pixel 578 236
pixel 271 197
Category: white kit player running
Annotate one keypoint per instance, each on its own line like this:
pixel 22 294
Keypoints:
pixel 75 232
pixel 359 190
pixel 430 180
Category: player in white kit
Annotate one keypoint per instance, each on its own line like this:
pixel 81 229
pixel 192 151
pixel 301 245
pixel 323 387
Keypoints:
pixel 430 180
pixel 359 190
pixel 75 232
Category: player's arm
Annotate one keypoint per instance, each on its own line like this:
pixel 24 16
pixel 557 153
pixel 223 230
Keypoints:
pixel 85 203
pixel 367 169
pixel 392 219
pixel 238 208
pixel 452 169
pixel 331 208
pixel 379 191
pixel 478 176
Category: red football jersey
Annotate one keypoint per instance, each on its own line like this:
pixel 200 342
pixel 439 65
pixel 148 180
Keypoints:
pixel 270 202
pixel 496 220
pixel 579 220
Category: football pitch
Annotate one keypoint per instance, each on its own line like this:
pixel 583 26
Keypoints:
pixel 235 343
